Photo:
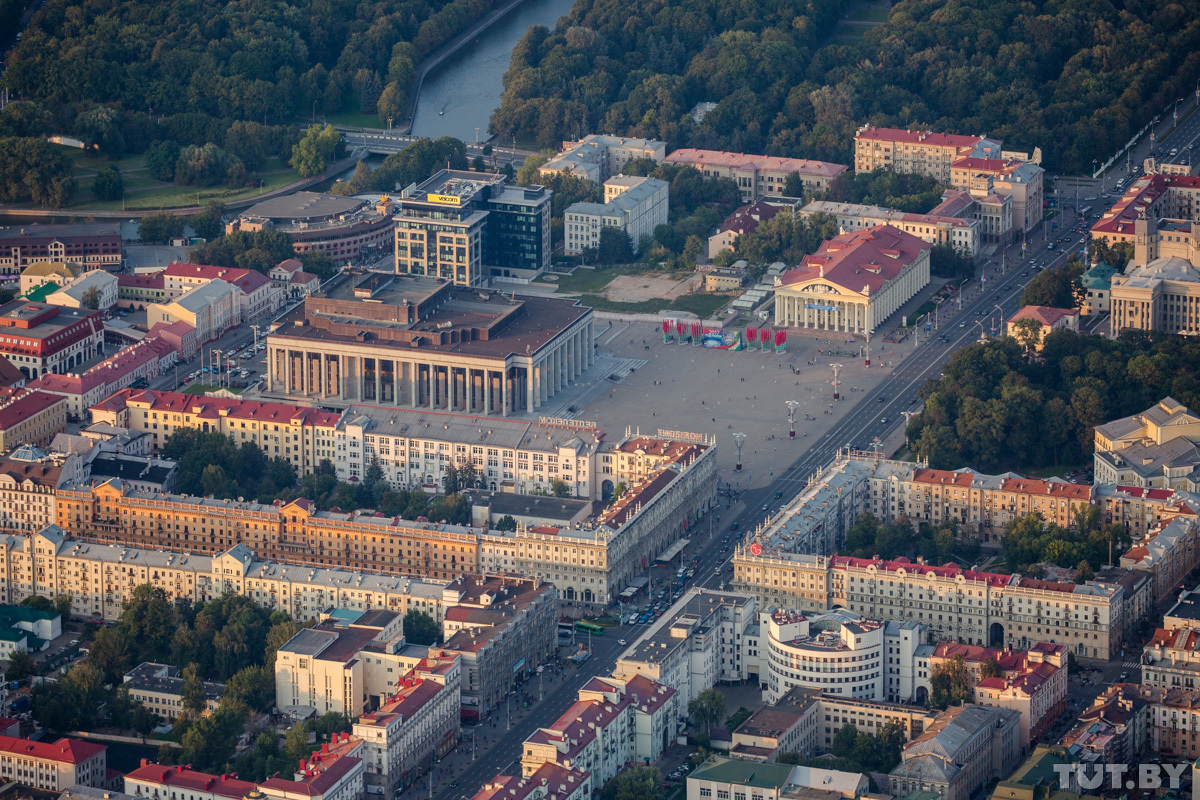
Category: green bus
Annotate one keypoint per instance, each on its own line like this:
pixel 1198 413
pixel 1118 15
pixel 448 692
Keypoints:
pixel 583 626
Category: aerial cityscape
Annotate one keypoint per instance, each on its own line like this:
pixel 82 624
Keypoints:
pixel 598 400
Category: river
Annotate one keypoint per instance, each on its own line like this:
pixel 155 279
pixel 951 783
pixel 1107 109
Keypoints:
pixel 467 88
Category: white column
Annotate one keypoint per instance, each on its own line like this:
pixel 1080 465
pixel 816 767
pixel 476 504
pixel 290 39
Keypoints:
pixel 487 391
pixel 504 392
pixel 430 380
pixel 470 392
pixel 530 373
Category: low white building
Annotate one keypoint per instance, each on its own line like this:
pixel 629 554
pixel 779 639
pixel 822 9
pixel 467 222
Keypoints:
pixel 633 205
pixel 98 286
pixel 211 308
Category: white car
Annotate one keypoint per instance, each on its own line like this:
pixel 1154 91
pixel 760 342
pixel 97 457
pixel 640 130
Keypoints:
pixel 621 642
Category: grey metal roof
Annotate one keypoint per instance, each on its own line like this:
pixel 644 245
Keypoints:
pixel 309 642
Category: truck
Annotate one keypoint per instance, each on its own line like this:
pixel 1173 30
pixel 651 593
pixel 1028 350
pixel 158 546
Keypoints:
pixel 20 703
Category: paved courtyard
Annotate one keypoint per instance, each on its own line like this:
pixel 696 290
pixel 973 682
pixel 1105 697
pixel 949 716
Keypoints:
pixel 717 392
pixel 649 286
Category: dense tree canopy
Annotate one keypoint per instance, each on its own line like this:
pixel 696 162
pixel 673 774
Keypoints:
pixel 1076 79
pixel 32 170
pixel 994 409
pixel 213 464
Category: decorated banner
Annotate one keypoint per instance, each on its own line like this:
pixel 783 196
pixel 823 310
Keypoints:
pixel 681 331
pixel 722 339
pixel 668 327
pixel 764 336
pixel 751 338
pixel 697 332
pixel 781 341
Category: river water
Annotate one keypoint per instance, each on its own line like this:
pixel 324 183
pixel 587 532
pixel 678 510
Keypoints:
pixel 460 96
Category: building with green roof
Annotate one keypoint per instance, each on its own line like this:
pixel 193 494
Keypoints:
pixel 39 293
pixel 1097 285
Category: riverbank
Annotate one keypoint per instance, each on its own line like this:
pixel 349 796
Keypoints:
pixel 444 52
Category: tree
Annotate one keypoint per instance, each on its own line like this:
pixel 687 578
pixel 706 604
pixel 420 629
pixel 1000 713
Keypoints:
pixel 560 488
pixel 844 741
pixel 420 628
pixel 20 665
pixel 615 246
pixel 107 185
pixel 91 298
pixel 707 709
pixel 192 695
pixel 1084 572
pixel 160 227
pixel 209 223
pixel 793 185
pixel 450 480
pixel 100 128
pixel 634 783
pixel 161 159
pixel 62 605
pixel 506 523
pixel 990 668
pixel 949 684
pixel 1028 333
pixel 319 147
pixel 38 603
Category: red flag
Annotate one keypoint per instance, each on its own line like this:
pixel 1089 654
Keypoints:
pixel 666 326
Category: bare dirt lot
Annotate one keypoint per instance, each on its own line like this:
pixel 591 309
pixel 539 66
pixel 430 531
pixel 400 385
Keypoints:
pixel 639 288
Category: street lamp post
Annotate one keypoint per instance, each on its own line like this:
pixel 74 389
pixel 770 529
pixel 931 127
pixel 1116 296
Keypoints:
pixel 739 439
pixel 1001 317
pixel 837 368
pixel 869 332
pixel 792 405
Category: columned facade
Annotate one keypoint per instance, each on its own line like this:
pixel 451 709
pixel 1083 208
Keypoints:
pixel 331 373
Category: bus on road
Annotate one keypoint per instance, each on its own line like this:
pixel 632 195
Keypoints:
pixel 583 626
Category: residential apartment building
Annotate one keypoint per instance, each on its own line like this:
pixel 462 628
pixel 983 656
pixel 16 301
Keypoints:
pixel 332 772
pixel 549 782
pixel 416 341
pixel 1037 690
pixel 1018 179
pixel 920 152
pixel 963 749
pixel 211 309
pixel 743 220
pixel 1173 721
pixel 1162 295
pixel 961 233
pixel 466 227
pixel 722 777
pixel 1141 510
pixel 1114 729
pixel 1167 553
pixel 853 282
pixel 159 687
pixel 348 664
pixel 93 246
pixel 31 417
pixel 294 532
pixel 412 727
pixel 1171 659
pixel 343 228
pixel 635 206
pixel 500 628
pixel 758 176
pixel 28 486
pixel 39 338
pixel 1152 197
pixel 302 435
pixel 53 766
pixel 99 579
pixel 594 562
pixel 141 289
pixel 598 157
pixel 613 722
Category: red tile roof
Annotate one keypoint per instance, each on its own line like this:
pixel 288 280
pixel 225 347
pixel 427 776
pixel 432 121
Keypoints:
pixel 721 158
pixel 67 751
pixel 862 261
pixel 943 477
pixel 926 137
pixel 186 779
pixel 151 280
pixel 26 406
pixel 1046 315
pixel 214 407
pixel 948 571
pixel 247 280
pixel 1066 491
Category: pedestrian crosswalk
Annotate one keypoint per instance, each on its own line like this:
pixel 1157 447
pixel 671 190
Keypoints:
pixel 1131 664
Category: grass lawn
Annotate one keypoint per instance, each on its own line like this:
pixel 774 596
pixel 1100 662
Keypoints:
pixel 1055 470
pixel 166 195
pixel 591 280
pixel 854 29
pixel 355 119
pixel 870 15
pixel 702 305
pixel 204 388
